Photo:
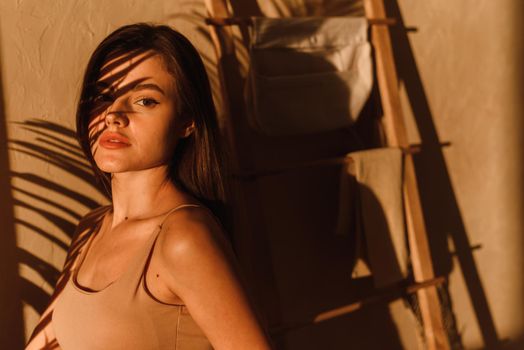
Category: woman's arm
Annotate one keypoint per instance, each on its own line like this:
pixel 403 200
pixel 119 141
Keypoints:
pixel 203 273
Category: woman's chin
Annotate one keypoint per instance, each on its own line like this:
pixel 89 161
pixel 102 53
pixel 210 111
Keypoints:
pixel 113 167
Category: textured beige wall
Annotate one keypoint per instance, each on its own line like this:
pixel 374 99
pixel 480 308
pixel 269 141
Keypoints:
pixel 469 55
pixel 466 55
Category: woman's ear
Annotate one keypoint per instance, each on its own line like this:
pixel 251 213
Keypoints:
pixel 188 130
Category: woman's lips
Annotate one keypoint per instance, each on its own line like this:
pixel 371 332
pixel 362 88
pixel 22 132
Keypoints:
pixel 111 140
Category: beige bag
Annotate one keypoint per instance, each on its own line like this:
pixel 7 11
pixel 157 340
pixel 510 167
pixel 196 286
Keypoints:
pixel 308 74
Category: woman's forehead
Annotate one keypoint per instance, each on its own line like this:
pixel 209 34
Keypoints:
pixel 128 68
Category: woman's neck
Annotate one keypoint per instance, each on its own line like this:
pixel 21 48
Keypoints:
pixel 142 194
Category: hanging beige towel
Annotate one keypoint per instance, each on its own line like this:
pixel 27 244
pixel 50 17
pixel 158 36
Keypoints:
pixel 373 206
pixel 308 74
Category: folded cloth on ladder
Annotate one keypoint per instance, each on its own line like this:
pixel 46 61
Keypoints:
pixel 371 202
pixel 308 74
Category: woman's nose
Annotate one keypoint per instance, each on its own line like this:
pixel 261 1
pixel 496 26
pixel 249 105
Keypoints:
pixel 116 114
pixel 116 117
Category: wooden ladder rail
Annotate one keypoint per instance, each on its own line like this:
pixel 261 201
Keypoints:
pixel 396 135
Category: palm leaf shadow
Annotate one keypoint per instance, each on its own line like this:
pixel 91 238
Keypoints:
pixel 43 198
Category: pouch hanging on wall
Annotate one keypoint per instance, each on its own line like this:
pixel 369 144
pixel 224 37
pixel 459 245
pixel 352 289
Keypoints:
pixel 376 190
pixel 308 74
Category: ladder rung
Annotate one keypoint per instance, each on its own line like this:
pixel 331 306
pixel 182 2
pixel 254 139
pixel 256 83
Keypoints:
pixel 346 309
pixel 228 21
pixel 252 175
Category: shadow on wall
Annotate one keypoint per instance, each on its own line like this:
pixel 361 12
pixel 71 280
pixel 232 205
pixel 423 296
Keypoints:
pixel 519 87
pixel 57 146
pixel 11 318
pixel 439 202
pixel 313 268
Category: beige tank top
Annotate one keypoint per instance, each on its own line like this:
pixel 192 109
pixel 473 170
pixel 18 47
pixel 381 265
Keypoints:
pixel 123 315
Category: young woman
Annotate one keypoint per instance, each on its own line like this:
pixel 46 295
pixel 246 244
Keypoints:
pixel 153 270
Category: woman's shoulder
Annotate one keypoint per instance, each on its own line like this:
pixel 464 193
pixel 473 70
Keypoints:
pixel 190 232
pixel 193 251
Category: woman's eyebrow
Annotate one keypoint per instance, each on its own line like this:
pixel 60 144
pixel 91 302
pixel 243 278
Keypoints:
pixel 149 86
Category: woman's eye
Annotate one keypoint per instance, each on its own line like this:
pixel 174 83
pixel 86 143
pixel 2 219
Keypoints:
pixel 146 102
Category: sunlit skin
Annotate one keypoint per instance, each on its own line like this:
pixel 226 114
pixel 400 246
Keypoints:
pixel 193 262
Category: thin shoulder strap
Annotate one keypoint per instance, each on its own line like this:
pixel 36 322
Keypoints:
pixel 176 208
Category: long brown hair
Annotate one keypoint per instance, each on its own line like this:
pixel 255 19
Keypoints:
pixel 198 164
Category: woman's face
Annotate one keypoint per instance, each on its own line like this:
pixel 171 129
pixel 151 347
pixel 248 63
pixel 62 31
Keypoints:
pixel 134 127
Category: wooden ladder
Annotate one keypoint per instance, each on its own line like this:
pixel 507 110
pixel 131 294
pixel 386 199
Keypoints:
pixel 426 283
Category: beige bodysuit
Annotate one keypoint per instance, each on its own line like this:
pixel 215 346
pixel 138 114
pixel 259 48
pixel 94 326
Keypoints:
pixel 123 315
